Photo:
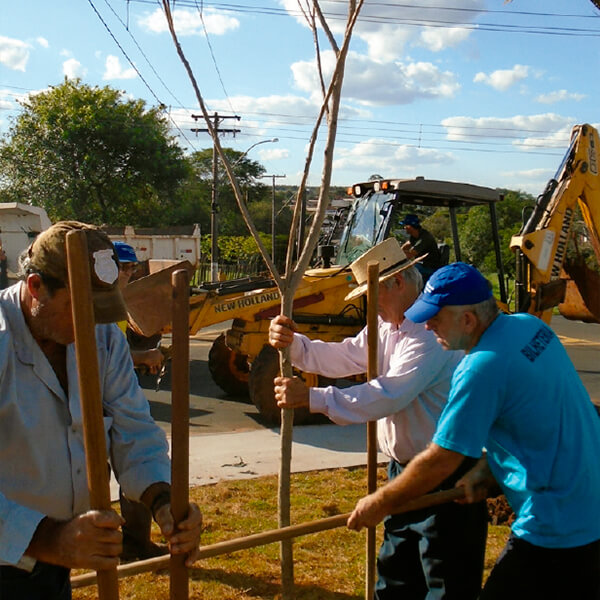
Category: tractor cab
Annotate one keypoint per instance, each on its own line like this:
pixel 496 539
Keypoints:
pixel 378 204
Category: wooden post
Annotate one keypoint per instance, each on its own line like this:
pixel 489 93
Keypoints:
pixel 180 441
pixel 89 390
pixel 372 368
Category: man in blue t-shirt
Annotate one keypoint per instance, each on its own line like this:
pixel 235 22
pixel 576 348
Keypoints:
pixel 516 394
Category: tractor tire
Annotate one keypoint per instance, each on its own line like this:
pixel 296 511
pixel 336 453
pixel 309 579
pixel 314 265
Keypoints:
pixel 229 369
pixel 265 367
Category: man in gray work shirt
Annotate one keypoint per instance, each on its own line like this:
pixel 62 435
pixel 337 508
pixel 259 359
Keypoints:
pixel 46 526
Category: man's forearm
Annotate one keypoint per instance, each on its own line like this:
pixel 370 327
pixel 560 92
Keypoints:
pixel 424 473
pixel 156 496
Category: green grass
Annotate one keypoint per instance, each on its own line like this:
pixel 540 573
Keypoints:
pixel 327 565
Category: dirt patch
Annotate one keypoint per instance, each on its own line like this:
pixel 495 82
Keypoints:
pixel 499 511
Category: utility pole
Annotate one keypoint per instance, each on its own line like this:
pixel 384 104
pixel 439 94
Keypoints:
pixel 214 205
pixel 273 215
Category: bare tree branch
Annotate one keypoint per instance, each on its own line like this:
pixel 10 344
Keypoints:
pixel 325 25
pixel 313 26
pixel 317 223
pixel 293 275
pixel 293 278
pixel 236 188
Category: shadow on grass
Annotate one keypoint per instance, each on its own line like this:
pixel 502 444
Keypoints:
pixel 264 587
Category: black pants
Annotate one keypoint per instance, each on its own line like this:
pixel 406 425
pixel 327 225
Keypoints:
pixel 527 571
pixel 435 553
pixel 45 582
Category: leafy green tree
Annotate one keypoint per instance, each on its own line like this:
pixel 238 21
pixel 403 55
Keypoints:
pixel 197 192
pixel 87 153
pixel 476 235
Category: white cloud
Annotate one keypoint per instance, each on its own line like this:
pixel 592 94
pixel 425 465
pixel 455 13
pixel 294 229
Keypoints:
pixel 389 159
pixel 72 69
pixel 6 102
pixel 532 181
pixel 296 106
pixel 528 132
pixel 559 96
pixel 274 154
pixel 66 53
pixel 114 69
pixel 502 79
pixel 441 38
pixel 43 42
pixel 387 28
pixel 386 43
pixel 535 174
pixel 9 99
pixel 14 54
pixel 189 22
pixel 374 83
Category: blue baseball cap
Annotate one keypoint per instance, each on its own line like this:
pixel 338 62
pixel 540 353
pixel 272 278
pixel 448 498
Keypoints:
pixel 411 220
pixel 457 284
pixel 125 252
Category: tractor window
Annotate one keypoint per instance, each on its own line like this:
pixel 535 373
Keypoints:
pixel 364 226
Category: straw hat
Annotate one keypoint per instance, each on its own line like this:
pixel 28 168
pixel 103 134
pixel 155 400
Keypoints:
pixel 391 259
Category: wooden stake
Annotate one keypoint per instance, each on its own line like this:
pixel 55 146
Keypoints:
pixel 89 390
pixel 180 435
pixel 269 537
pixel 372 373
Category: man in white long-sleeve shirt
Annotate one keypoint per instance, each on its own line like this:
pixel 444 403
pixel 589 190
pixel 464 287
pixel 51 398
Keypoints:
pixel 430 554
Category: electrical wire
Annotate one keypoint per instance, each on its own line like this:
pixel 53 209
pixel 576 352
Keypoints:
pixel 367 17
pixel 212 54
pixel 126 27
pixel 351 130
pixel 160 104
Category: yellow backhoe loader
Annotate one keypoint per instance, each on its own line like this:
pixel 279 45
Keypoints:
pixel 240 360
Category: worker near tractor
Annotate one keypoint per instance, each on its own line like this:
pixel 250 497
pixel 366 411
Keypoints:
pixel 421 243
pixel 46 526
pixel 137 526
pixel 516 394
pixel 151 359
pixel 431 553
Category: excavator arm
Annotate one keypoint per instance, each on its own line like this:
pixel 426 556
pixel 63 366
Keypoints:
pixel 541 283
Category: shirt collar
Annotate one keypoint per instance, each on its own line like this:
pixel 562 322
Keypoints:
pixel 10 303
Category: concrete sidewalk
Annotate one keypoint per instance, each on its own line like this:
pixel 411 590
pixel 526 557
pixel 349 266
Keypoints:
pixel 230 456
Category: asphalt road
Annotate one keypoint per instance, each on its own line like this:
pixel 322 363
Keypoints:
pixel 212 411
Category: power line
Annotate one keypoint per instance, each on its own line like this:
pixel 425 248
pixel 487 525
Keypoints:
pixel 126 27
pixel 352 134
pixel 91 3
pixel 212 54
pixel 368 17
pixel 161 104
pixel 301 120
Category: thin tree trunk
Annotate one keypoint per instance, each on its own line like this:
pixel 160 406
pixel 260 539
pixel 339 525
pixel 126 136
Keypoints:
pixel 293 274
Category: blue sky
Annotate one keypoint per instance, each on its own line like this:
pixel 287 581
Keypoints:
pixel 480 91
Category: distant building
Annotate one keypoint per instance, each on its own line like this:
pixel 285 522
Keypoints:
pixel 19 226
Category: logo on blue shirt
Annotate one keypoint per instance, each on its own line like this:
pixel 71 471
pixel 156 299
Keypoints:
pixel 538 344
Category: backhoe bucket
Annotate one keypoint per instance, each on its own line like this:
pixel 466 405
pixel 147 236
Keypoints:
pixel 149 299
pixel 582 299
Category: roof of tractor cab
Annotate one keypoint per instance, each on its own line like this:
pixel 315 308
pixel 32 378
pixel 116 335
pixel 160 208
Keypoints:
pixel 431 192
